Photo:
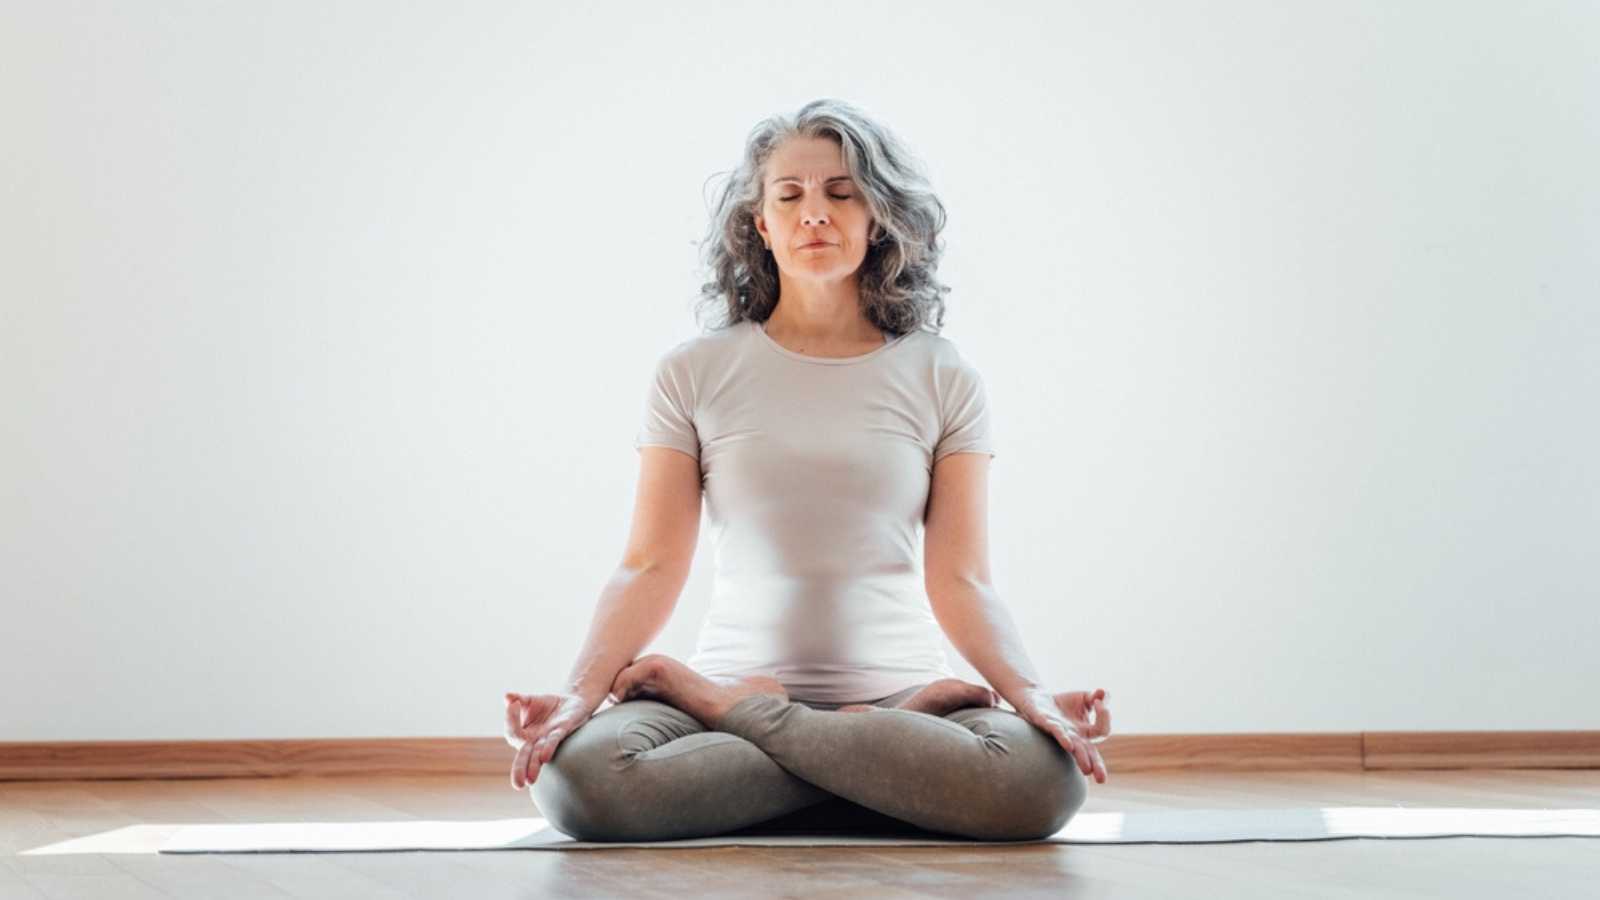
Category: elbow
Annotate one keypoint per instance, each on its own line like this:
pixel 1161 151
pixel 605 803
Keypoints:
pixel 633 567
pixel 641 557
pixel 942 586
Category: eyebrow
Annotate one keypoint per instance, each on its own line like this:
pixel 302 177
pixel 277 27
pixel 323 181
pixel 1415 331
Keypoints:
pixel 829 181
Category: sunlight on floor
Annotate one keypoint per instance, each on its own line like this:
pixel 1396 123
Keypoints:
pixel 412 834
pixel 1175 826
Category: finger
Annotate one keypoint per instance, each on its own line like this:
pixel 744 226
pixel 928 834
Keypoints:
pixel 1067 740
pixel 1102 721
pixel 1081 706
pixel 1080 749
pixel 513 717
pixel 519 766
pixel 531 773
pixel 1056 731
pixel 548 744
pixel 1100 772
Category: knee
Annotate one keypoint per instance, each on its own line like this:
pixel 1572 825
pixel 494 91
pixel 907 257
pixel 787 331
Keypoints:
pixel 1057 789
pixel 568 789
pixel 1053 788
pixel 590 789
pixel 1039 787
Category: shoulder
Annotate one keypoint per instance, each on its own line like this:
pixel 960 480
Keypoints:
pixel 939 348
pixel 702 349
pixel 941 356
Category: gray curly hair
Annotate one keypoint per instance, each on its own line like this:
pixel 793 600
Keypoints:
pixel 899 292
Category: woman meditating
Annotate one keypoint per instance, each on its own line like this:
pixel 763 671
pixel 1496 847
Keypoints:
pixel 827 423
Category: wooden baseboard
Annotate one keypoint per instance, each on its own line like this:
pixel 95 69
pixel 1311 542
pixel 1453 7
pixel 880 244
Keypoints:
pixel 251 759
pixel 1481 749
pixel 1232 752
pixel 1353 751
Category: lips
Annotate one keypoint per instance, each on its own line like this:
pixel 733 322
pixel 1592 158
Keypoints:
pixel 815 244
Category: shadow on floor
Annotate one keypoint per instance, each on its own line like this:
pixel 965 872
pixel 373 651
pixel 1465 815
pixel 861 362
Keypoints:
pixel 837 816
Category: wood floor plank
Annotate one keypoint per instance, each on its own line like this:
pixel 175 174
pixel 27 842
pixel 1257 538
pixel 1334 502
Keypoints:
pixel 36 814
pixel 199 878
pixel 114 886
pixel 308 875
pixel 14 887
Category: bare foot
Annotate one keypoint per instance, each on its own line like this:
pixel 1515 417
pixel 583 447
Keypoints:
pixel 947 695
pixel 663 678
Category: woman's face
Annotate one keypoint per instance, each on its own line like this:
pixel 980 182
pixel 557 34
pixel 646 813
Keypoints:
pixel 809 196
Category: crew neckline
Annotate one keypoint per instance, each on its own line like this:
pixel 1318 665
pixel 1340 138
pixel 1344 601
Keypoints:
pixel 761 330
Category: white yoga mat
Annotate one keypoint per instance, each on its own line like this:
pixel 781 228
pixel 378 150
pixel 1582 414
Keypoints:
pixel 1185 826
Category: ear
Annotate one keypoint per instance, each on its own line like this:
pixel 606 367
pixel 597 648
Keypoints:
pixel 761 227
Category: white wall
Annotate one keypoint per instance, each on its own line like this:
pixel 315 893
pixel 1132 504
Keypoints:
pixel 326 329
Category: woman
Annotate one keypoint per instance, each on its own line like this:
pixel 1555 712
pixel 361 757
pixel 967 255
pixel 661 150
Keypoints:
pixel 826 422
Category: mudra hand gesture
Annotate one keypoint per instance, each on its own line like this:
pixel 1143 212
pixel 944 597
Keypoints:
pixel 1076 719
pixel 535 725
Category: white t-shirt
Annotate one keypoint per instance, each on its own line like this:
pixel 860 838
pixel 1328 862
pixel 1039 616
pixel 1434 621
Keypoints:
pixel 816 473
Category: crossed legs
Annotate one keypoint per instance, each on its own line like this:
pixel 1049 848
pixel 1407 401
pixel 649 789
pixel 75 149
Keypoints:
pixel 689 757
pixel 643 770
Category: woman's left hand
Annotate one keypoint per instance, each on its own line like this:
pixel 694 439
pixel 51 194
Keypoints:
pixel 1076 719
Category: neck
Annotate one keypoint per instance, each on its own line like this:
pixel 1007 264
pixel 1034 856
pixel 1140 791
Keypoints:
pixel 821 314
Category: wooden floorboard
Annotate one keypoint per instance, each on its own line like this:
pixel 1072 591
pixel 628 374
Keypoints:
pixel 35 814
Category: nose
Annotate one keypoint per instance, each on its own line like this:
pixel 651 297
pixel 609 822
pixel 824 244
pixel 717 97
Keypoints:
pixel 814 214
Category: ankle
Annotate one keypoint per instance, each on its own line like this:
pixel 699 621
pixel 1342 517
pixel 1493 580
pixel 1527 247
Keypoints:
pixel 744 703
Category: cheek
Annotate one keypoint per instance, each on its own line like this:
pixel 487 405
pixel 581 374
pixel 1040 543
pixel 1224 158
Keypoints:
pixel 862 222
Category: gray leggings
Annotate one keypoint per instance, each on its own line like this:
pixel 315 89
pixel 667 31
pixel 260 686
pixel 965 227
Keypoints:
pixel 643 770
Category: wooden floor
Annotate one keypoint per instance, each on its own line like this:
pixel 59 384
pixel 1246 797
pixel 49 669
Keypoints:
pixel 35 814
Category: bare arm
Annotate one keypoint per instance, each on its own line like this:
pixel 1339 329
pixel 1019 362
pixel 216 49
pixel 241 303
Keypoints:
pixel 957 576
pixel 979 624
pixel 637 601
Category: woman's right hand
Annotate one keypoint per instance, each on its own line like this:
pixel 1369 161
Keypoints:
pixel 536 725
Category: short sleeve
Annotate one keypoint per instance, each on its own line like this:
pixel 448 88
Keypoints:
pixel 963 415
pixel 669 408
